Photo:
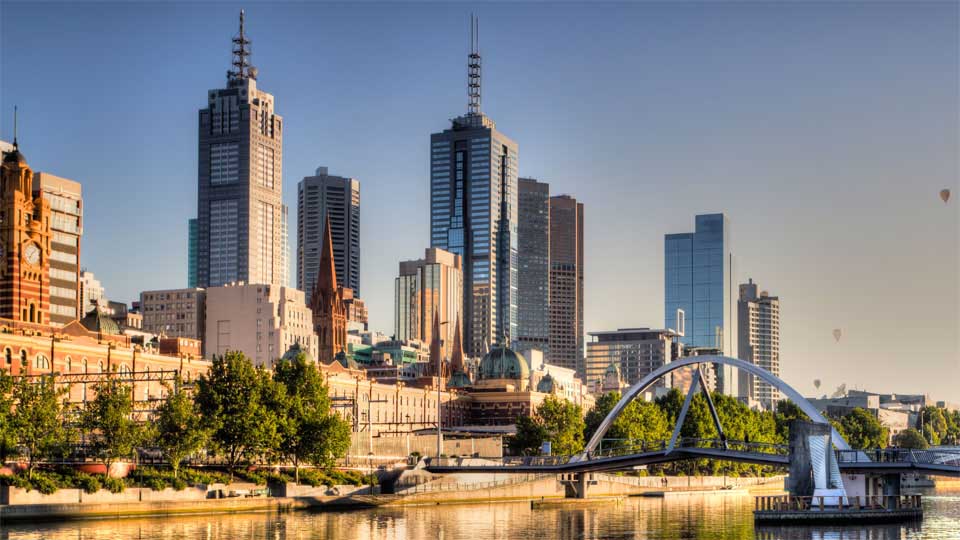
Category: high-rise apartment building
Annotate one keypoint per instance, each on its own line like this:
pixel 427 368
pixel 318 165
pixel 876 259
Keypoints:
pixel 566 283
pixel 698 281
pixel 473 213
pixel 759 342
pixel 262 321
pixel 241 220
pixel 635 352
pixel 533 295
pixel 66 225
pixel 193 236
pixel 428 287
pixel 91 292
pixel 175 312
pixel 319 197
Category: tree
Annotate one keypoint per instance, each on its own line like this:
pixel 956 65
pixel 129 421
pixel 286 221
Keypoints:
pixel 308 428
pixel 8 433
pixel 529 437
pixel 787 411
pixel 115 434
pixel 563 422
pixel 600 410
pixel 179 431
pixel 39 419
pixel 863 431
pixel 910 439
pixel 232 399
pixel 935 426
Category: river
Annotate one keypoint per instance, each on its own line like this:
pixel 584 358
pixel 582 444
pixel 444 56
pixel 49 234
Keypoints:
pixel 634 518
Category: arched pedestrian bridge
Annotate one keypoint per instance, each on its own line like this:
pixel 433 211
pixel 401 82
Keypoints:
pixel 678 448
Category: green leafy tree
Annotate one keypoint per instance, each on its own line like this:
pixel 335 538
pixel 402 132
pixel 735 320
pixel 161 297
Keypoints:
pixel 786 412
pixel 8 432
pixel 108 419
pixel 39 419
pixel 529 437
pixel 309 430
pixel 232 398
pixel 179 431
pixel 910 439
pixel 563 422
pixel 863 431
pixel 934 426
pixel 595 416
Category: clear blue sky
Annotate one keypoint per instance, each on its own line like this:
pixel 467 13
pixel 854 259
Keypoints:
pixel 823 130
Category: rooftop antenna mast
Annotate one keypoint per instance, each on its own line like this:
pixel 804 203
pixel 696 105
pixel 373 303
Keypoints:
pixel 15 145
pixel 473 68
pixel 241 54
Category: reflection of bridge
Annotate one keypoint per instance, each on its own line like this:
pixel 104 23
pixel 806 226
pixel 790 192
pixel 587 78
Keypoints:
pixel 943 462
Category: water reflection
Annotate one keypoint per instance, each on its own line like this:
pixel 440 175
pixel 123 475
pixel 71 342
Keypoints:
pixel 635 518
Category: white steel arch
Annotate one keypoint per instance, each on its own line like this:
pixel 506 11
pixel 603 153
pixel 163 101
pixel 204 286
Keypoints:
pixel 655 375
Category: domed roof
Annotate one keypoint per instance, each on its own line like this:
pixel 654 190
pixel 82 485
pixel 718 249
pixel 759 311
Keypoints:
pixel 459 380
pixel 95 321
pixel 294 351
pixel 503 363
pixel 546 384
pixel 612 369
pixel 14 156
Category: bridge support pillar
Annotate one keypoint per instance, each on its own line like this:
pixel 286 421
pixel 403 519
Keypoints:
pixel 891 490
pixel 576 485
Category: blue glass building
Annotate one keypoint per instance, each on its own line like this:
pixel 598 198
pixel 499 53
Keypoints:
pixel 698 280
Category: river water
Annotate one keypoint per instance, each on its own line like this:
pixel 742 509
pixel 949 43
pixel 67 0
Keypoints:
pixel 699 516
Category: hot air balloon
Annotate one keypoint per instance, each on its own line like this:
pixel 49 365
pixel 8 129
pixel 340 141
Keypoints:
pixel 945 195
pixel 836 334
pixel 816 383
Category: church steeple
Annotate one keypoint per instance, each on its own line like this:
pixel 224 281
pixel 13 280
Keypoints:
pixel 456 357
pixel 327 276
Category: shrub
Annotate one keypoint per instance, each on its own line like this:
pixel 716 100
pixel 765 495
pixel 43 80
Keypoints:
pixel 88 483
pixel 115 485
pixel 179 484
pixel 44 483
pixel 155 483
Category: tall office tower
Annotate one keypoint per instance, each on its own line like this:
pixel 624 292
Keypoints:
pixel 92 292
pixel 425 287
pixel 473 203
pixel 698 281
pixel 192 240
pixel 758 323
pixel 318 197
pixel 25 248
pixel 533 300
pixel 66 224
pixel 241 218
pixel 566 283
pixel 635 352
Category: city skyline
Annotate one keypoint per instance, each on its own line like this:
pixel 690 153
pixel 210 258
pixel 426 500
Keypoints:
pixel 781 260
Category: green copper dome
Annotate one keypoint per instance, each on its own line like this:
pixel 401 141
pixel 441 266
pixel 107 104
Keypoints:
pixel 503 363
pixel 546 384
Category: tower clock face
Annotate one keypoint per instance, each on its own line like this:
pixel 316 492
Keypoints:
pixel 31 254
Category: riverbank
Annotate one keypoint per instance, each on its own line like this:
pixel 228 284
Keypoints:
pixel 21 505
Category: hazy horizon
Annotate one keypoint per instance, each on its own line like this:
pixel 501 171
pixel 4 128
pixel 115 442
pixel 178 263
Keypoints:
pixel 823 131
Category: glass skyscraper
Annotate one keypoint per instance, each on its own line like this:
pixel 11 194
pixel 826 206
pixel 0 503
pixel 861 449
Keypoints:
pixel 698 281
pixel 473 213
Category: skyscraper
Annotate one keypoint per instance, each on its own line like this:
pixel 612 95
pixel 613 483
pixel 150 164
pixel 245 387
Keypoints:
pixel 192 240
pixel 241 220
pixel 758 321
pixel 319 197
pixel 698 280
pixel 66 224
pixel 473 203
pixel 533 300
pixel 566 283
pixel 427 287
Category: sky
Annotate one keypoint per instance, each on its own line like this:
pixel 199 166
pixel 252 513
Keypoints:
pixel 824 131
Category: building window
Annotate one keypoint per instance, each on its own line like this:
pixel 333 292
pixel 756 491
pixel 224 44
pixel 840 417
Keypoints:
pixel 23 359
pixel 41 362
pixel 8 356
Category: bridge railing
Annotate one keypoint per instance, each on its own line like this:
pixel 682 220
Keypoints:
pixel 790 503
pixel 900 455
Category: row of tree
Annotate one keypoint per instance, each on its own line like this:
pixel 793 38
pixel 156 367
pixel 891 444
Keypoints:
pixel 238 412
pixel 563 424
